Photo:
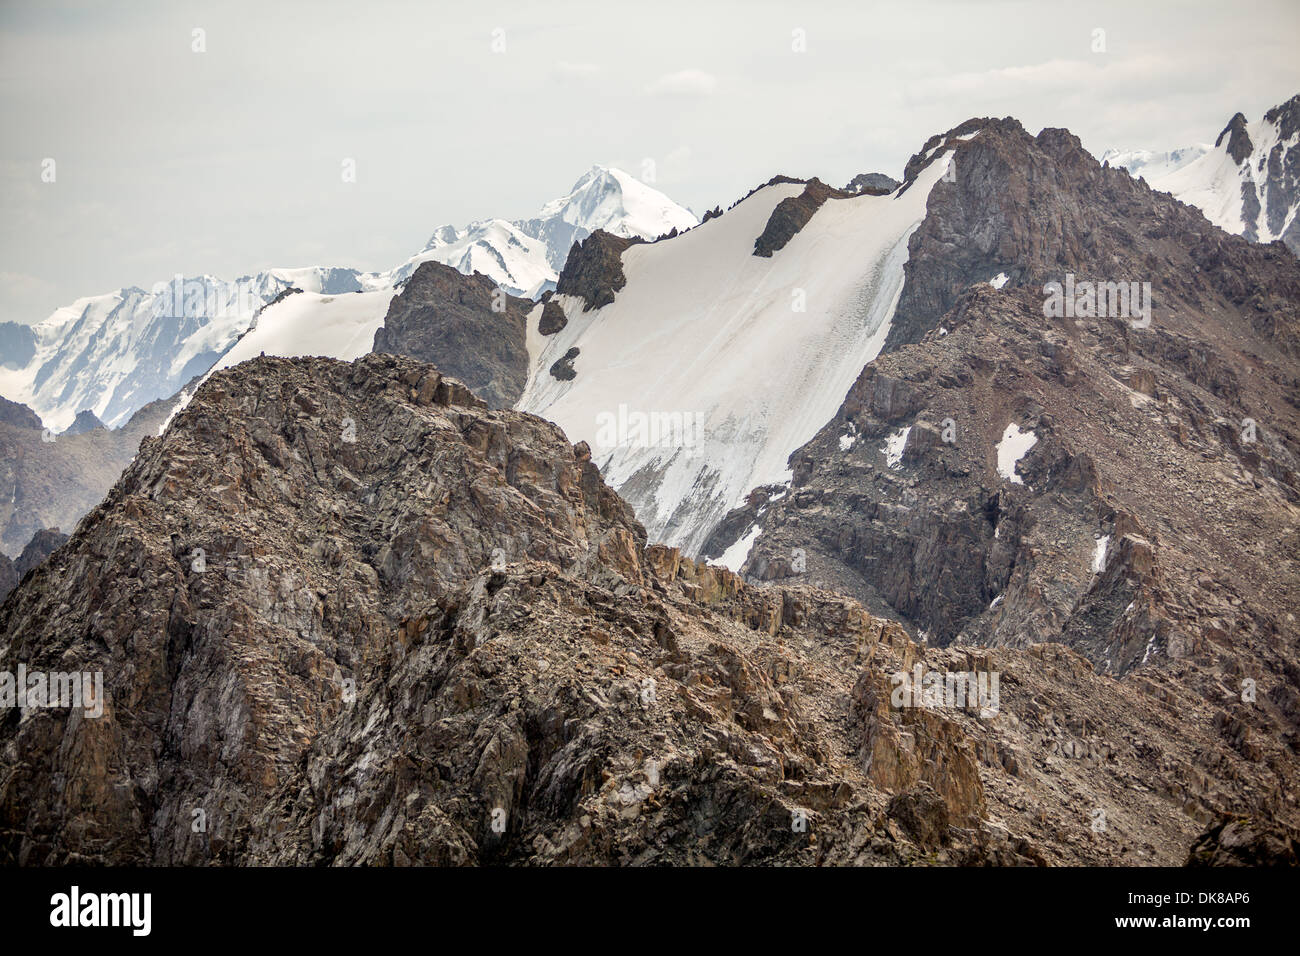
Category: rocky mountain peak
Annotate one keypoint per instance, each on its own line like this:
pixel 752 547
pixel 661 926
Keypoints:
pixel 355 617
pixel 1286 117
pixel 594 269
pixel 18 415
pixel 1238 138
pixel 1248 183
pixel 988 418
pixel 871 182
pixel 86 421
pixel 466 325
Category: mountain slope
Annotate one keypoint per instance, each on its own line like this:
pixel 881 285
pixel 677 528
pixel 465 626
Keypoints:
pixel 1004 474
pixel 112 354
pixel 51 481
pixel 739 356
pixel 445 642
pixel 1248 183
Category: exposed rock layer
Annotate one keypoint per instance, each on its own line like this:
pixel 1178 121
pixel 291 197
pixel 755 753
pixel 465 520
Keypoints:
pixel 49 480
pixel 464 324
pixel 437 637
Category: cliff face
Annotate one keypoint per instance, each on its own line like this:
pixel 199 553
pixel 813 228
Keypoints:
pixel 1037 207
pixel 348 614
pixel 1134 427
pixel 1008 473
pixel 594 269
pixel 51 480
pixel 791 215
pixel 1282 184
pixel 464 324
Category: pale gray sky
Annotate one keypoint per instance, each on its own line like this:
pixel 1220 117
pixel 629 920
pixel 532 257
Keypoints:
pixel 229 161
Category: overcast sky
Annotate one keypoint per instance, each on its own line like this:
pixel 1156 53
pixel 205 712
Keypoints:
pixel 230 160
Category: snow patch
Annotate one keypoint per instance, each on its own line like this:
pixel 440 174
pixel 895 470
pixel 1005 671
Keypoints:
pixel 1099 554
pixel 734 557
pixel 894 446
pixel 999 280
pixel 337 326
pixel 1011 449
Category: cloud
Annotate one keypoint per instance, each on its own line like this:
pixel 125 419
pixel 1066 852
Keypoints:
pixel 678 156
pixel 1129 78
pixel 684 83
pixel 565 70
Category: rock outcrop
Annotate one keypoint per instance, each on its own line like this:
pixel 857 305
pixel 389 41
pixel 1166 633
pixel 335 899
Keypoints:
pixel 1037 208
pixel 871 184
pixel 594 269
pixel 347 614
pixel 1281 188
pixel 1246 842
pixel 464 324
pixel 791 215
pixel 553 318
pixel 50 480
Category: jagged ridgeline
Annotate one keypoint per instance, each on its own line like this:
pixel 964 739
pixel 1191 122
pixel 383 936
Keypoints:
pixel 345 613
pixel 1005 564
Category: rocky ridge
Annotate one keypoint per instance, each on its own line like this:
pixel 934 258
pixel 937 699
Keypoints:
pixel 437 637
pixel 464 324
pixel 52 480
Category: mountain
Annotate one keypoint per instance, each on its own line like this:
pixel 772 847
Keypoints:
pixel 525 256
pixel 1151 166
pixel 1004 473
pixel 50 480
pixel 1022 415
pixel 444 640
pixel 84 422
pixel 740 337
pixel 1247 183
pixel 463 324
pixel 113 354
pixel 43 543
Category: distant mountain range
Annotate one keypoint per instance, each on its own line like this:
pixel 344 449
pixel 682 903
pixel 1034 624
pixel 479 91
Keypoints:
pixel 112 354
pixel 459 598
pixel 1247 183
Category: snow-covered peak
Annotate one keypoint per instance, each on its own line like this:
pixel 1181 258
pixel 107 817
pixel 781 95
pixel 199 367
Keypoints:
pixel 115 353
pixel 1151 164
pixel 1247 183
pixel 610 199
pixel 497 248
pixel 525 256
